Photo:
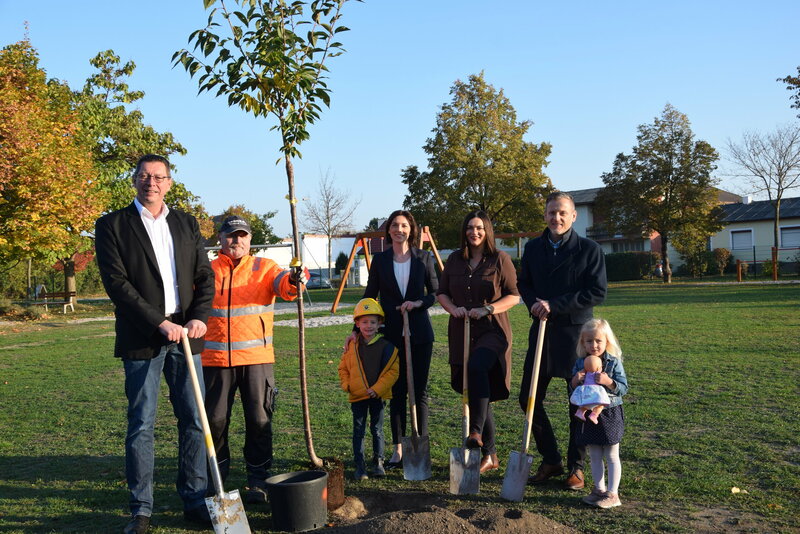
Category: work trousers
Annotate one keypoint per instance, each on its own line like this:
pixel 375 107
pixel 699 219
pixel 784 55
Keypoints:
pixel 542 430
pixel 256 385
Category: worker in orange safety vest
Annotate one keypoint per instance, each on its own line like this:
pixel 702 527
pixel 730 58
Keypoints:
pixel 238 350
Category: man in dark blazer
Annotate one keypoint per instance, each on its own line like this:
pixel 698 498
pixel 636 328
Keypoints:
pixel 563 276
pixel 157 274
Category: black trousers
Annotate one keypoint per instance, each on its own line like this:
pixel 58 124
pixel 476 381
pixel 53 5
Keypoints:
pixel 542 430
pixel 481 419
pixel 256 384
pixel 398 405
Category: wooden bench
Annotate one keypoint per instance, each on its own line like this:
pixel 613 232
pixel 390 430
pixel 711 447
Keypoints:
pixel 57 298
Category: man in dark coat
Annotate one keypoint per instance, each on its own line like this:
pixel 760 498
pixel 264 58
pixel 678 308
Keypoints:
pixel 563 277
pixel 156 272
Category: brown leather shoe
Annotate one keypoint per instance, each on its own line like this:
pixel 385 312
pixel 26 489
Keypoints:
pixel 489 462
pixel 574 480
pixel 474 441
pixel 139 524
pixel 546 472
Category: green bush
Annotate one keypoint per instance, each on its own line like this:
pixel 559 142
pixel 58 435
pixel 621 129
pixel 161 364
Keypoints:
pixel 630 265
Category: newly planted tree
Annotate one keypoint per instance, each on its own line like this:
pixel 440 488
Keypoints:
pixel 269 58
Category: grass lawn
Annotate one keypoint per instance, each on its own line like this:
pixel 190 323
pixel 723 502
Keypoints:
pixel 713 405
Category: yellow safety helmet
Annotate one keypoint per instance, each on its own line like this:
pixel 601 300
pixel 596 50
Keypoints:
pixel 368 307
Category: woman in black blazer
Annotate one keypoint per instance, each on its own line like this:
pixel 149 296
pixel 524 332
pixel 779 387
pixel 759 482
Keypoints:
pixel 404 277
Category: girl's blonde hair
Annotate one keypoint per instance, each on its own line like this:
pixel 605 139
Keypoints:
pixel 601 326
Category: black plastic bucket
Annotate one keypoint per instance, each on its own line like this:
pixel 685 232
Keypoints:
pixel 299 500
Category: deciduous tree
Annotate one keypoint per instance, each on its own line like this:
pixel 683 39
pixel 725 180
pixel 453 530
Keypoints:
pixel 269 59
pixel 478 159
pixel 771 165
pixel 331 213
pixel 665 185
pixel 50 192
pixel 118 137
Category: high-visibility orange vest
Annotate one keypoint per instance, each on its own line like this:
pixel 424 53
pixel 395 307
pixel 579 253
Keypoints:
pixel 240 323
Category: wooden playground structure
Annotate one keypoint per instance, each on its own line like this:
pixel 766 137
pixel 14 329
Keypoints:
pixel 364 239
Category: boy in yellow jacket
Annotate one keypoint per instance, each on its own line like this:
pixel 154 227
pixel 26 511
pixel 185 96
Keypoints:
pixel 368 370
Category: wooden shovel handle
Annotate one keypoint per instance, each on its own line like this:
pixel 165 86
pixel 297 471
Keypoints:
pixel 526 431
pixel 412 399
pixel 198 398
pixel 464 391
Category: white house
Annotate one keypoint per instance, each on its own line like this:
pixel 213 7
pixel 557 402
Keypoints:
pixel 748 231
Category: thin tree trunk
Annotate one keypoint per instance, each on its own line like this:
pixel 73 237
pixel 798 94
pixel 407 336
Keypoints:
pixel 665 261
pixel 777 223
pixel 301 333
pixel 69 277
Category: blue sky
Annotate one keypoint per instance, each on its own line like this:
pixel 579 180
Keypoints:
pixel 586 73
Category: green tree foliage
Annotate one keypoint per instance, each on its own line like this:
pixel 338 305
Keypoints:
pixel 119 137
pixel 693 251
pixel 665 185
pixel 478 159
pixel 269 59
pixel 793 85
pixel 263 233
pixel 50 194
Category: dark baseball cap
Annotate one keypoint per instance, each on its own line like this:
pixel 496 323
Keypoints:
pixel 234 223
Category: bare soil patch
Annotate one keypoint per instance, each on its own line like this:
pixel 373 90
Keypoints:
pixel 406 513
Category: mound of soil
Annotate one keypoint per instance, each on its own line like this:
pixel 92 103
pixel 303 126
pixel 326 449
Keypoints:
pixel 407 513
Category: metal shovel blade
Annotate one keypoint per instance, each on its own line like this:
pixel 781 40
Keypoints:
pixel 227 513
pixel 416 457
pixel 465 471
pixel 517 472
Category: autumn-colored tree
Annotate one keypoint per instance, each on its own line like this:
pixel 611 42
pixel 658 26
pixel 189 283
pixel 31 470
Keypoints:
pixel 665 186
pixel 50 192
pixel 478 159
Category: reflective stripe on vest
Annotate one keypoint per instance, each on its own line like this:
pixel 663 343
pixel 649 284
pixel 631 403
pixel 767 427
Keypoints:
pixel 240 312
pixel 276 284
pixel 238 345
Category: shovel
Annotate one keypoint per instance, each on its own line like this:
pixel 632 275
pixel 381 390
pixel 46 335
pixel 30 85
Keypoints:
pixel 465 464
pixel 519 463
pixel 416 448
pixel 226 509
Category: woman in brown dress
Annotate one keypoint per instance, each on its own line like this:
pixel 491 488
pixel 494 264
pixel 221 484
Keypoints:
pixel 480 282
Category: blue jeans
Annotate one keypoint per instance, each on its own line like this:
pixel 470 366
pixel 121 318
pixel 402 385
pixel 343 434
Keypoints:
pixel 360 410
pixel 142 384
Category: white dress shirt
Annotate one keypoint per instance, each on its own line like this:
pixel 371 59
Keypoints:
pixel 161 239
pixel 401 273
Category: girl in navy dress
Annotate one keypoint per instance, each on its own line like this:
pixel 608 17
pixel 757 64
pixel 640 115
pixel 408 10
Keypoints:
pixel 603 437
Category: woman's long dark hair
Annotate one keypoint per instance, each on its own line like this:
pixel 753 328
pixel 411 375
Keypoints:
pixel 413 236
pixel 489 247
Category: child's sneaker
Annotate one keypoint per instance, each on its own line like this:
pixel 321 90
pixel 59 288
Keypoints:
pixel 594 497
pixel 593 417
pixel 609 501
pixel 580 414
pixel 378 469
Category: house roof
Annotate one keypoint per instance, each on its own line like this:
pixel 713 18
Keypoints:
pixel 760 210
pixel 588 196
pixel 585 196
